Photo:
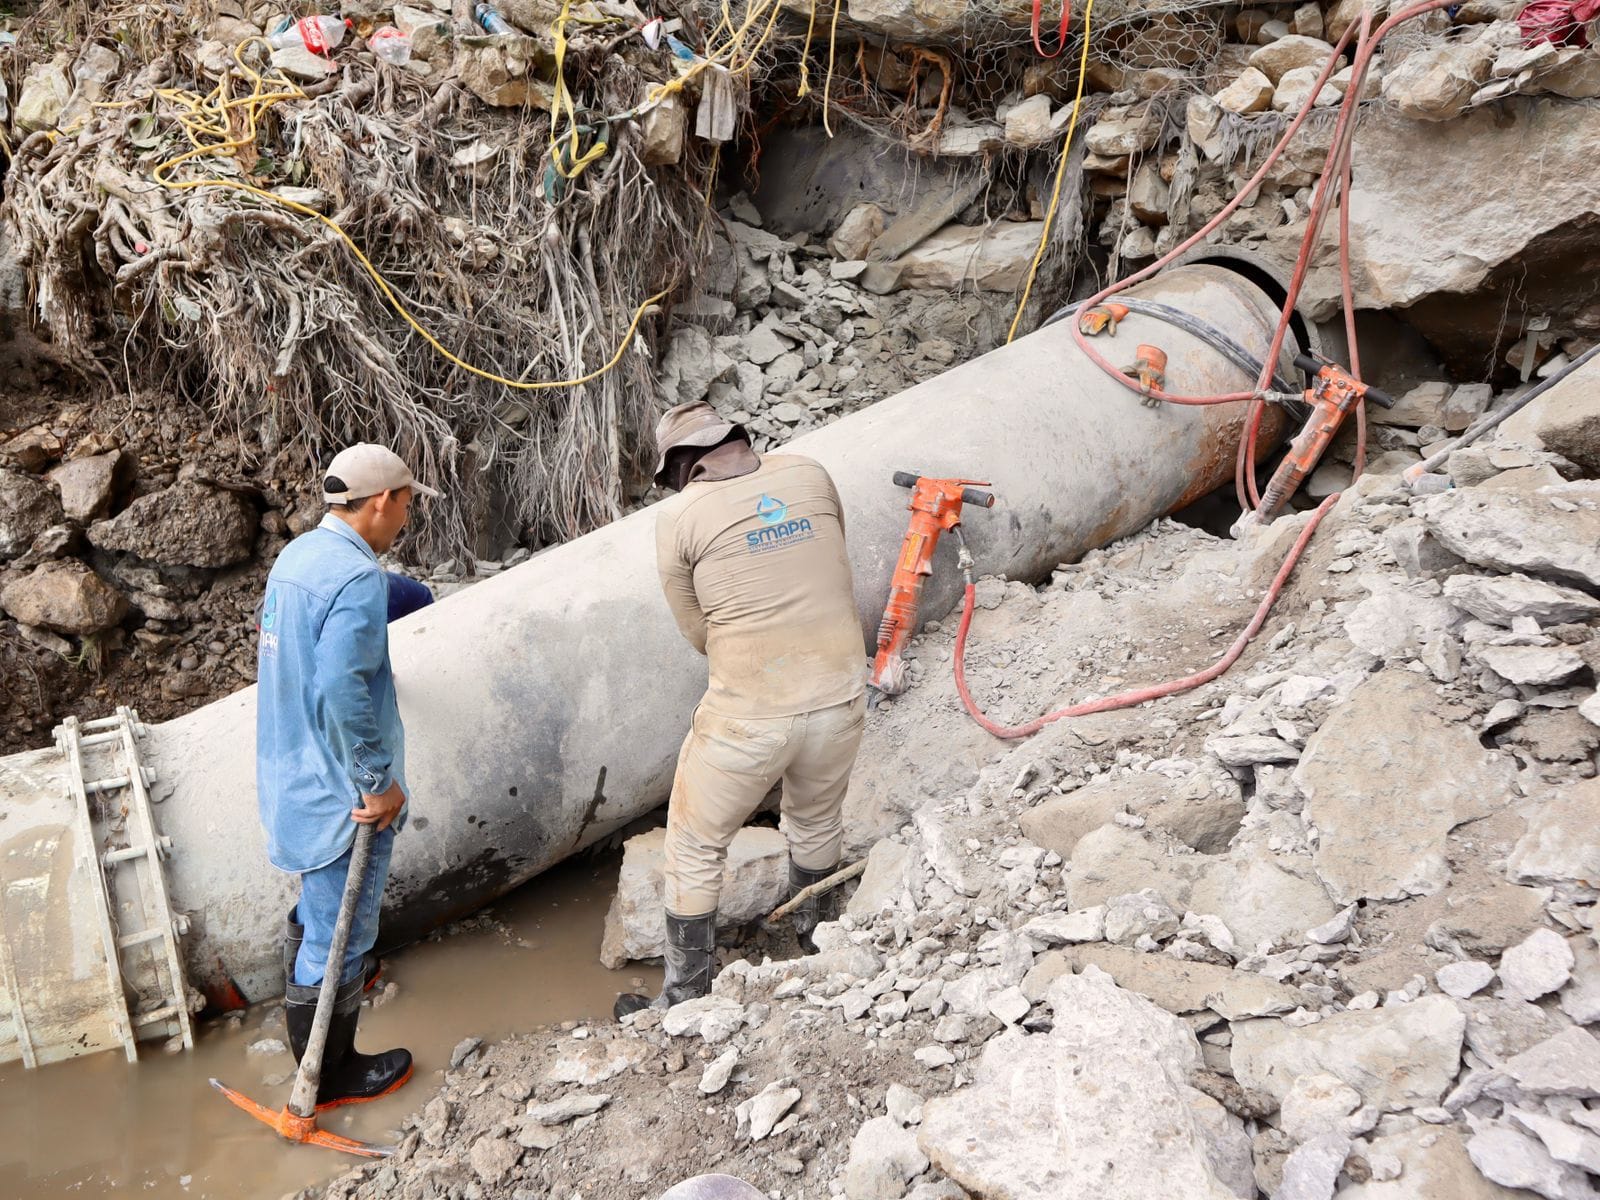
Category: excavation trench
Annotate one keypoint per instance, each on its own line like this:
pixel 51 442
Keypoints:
pixel 545 707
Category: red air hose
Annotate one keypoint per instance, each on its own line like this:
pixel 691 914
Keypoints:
pixel 1335 178
pixel 1139 695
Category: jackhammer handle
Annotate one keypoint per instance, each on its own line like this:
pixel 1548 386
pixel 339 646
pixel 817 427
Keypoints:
pixel 906 479
pixel 1311 366
pixel 974 496
pixel 1380 398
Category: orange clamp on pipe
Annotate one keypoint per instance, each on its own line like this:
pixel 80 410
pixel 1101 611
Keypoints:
pixel 935 508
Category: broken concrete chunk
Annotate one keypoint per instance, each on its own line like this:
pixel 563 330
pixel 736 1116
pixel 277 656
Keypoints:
pixel 1464 979
pixel 1054 1115
pixel 753 884
pixel 1567 1064
pixel 1552 532
pixel 1516 1160
pixel 884 1158
pixel 1501 599
pixel 1386 778
pixel 1562 843
pixel 1538 966
pixel 1396 1058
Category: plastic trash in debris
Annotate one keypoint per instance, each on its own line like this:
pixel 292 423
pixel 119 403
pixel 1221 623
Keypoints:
pixel 489 17
pixel 651 30
pixel 317 34
pixel 680 50
pixel 391 45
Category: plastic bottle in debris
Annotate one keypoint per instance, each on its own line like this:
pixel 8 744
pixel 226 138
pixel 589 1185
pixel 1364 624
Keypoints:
pixel 317 34
pixel 391 45
pixel 489 17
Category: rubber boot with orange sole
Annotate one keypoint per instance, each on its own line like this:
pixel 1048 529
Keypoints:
pixel 348 1076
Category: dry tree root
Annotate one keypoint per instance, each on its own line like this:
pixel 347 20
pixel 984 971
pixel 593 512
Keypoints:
pixel 261 317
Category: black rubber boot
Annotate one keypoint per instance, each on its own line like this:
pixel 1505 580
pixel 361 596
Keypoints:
pixel 348 1076
pixel 817 909
pixel 295 933
pixel 691 960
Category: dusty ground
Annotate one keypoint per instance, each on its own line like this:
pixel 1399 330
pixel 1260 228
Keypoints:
pixel 945 956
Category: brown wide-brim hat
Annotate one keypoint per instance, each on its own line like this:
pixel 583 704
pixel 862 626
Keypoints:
pixel 693 424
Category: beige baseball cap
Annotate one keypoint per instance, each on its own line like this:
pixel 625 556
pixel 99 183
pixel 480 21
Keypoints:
pixel 366 469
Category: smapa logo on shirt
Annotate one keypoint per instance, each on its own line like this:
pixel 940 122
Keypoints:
pixel 777 530
pixel 268 626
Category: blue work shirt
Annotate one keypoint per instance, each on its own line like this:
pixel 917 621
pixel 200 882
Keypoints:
pixel 327 722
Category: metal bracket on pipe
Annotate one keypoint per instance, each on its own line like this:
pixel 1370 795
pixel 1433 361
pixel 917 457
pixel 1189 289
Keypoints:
pixel 119 844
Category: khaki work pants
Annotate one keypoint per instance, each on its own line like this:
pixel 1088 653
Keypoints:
pixel 727 765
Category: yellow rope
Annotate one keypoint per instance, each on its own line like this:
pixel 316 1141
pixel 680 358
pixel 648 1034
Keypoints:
pixel 805 54
pixel 563 101
pixel 206 124
pixel 1061 171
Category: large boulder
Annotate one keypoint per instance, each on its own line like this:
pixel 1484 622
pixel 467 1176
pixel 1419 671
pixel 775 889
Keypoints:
pixel 1565 419
pixel 1386 778
pixel 991 258
pixel 1100 1106
pixel 753 884
pixel 89 485
pixel 186 525
pixel 1530 236
pixel 27 508
pixel 1550 531
pixel 1398 1057
pixel 1277 59
pixel 66 597
pixel 1436 84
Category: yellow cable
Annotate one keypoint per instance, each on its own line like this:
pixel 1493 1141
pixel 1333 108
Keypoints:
pixel 1061 171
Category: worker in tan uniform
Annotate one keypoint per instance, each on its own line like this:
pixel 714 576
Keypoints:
pixel 752 558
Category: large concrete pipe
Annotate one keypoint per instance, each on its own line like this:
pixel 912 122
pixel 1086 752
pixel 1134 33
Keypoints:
pixel 544 707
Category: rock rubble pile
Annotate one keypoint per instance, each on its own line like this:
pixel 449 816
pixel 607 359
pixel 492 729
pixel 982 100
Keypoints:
pixel 1324 928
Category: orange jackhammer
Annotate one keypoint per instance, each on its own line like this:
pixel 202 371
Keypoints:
pixel 935 508
pixel 1333 394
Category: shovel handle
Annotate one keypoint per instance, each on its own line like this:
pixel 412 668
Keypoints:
pixel 303 1100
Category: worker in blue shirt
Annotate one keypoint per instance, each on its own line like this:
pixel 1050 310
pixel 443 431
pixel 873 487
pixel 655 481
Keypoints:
pixel 330 748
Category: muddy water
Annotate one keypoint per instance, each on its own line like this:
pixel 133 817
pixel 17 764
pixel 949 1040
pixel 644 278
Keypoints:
pixel 101 1126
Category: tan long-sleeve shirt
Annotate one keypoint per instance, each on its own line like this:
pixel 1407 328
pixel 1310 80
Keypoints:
pixel 755 572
